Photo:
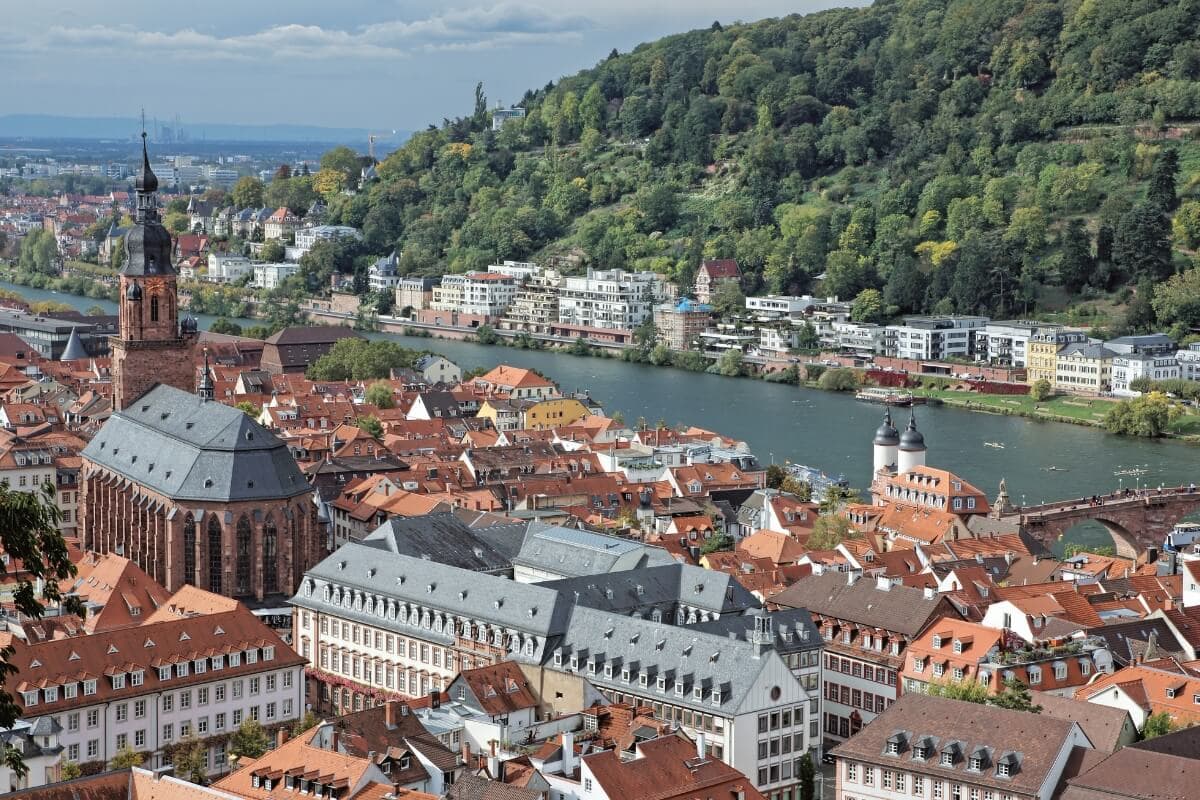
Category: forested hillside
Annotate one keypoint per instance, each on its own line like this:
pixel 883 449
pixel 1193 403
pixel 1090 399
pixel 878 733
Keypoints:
pixel 995 156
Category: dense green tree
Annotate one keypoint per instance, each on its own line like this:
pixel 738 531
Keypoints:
pixel 250 740
pixel 1185 227
pixel 1158 724
pixel 839 380
pixel 1148 416
pixel 1041 390
pixel 371 424
pixel 30 536
pixel 190 759
pixel 222 325
pixel 775 476
pixel 830 530
pixel 1015 696
pixel 730 363
pixel 806 778
pixel 967 690
pixel 247 192
pixel 380 395
pixel 360 359
pixel 1177 301
pixel 1142 242
pixel 1162 189
pixel 272 252
pixel 1076 266
pixel 867 306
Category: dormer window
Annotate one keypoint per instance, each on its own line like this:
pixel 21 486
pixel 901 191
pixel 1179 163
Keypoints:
pixel 661 683
pixel 679 688
pixel 937 640
pixel 958 646
pixel 697 693
pixel 947 759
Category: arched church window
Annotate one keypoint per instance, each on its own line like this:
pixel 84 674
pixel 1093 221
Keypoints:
pixel 189 549
pixel 270 568
pixel 154 308
pixel 242 544
pixel 216 562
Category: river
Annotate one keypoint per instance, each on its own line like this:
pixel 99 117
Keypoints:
pixel 833 431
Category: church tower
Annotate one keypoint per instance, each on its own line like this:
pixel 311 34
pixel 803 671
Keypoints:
pixel 152 345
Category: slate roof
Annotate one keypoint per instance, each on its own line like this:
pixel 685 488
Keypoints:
pixel 475 787
pixel 74 349
pixel 697 658
pixel 901 609
pixel 440 537
pixel 379 574
pixel 186 448
pixel 792 629
pixel 572 552
pixel 667 587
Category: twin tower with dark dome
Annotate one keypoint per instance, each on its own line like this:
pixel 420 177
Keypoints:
pixel 897 452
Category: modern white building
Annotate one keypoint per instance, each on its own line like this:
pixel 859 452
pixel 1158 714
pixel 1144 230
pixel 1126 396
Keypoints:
pixel 613 299
pixel 935 338
pixel 861 338
pixel 488 294
pixel 227 267
pixel 308 236
pixel 270 276
pixel 775 306
pixel 1006 342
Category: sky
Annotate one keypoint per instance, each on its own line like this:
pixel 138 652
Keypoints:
pixel 375 64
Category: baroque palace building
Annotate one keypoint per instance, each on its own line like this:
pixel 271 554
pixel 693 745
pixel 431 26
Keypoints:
pixel 193 491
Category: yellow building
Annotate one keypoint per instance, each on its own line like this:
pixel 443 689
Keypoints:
pixel 1042 354
pixel 553 413
pixel 1083 368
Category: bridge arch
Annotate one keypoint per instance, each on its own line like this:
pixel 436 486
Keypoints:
pixel 1125 543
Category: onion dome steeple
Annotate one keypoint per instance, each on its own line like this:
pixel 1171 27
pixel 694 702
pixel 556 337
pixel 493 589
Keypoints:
pixel 886 434
pixel 912 439
pixel 148 243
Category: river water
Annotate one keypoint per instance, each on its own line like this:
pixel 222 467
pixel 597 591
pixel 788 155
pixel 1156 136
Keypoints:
pixel 833 431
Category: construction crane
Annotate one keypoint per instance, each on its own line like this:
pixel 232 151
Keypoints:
pixel 371 137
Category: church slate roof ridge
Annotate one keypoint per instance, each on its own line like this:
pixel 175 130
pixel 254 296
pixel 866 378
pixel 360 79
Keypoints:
pixel 174 443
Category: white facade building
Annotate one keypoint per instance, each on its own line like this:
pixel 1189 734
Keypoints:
pixel 1128 368
pixel 613 299
pixel 270 276
pixel 1189 362
pixel 935 338
pixel 1006 343
pixel 227 268
pixel 488 294
pixel 779 305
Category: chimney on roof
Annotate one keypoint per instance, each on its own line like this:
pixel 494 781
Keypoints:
pixel 883 583
pixel 700 745
pixel 493 764
pixel 929 593
pixel 391 712
pixel 568 757
pixel 851 578
pixel 281 737
pixel 465 755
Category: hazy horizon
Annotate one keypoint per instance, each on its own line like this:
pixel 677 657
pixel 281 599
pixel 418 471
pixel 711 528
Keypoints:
pixel 355 64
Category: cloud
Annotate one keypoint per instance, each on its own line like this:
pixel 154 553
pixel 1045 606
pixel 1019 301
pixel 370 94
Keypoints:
pixel 477 28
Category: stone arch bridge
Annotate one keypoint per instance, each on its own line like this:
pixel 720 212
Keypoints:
pixel 1137 520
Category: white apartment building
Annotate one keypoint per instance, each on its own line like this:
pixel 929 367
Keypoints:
pixel 862 338
pixel 777 339
pixel 1189 362
pixel 308 236
pixel 448 295
pixel 935 338
pixel 270 276
pixel 775 306
pixel 488 294
pixel 1130 367
pixel 521 270
pixel 384 275
pixel 613 299
pixel 149 686
pixel 535 305
pixel 227 268
pixel 1006 343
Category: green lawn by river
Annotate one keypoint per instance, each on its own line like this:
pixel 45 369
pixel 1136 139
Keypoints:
pixel 1063 408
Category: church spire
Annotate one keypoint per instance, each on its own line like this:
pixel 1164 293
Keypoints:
pixel 146 184
pixel 204 389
